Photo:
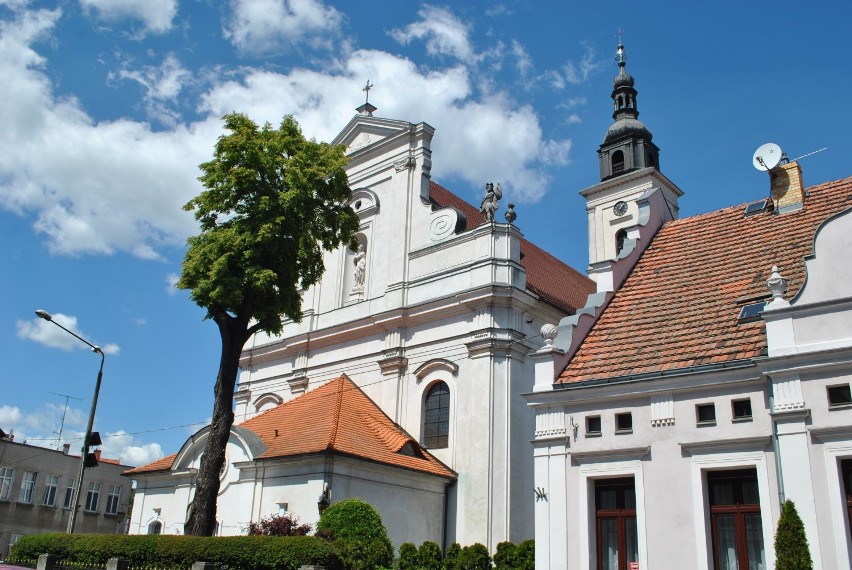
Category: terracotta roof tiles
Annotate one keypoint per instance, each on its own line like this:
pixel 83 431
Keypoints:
pixel 680 305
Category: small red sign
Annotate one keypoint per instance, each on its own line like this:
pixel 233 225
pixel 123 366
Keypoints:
pixel 634 566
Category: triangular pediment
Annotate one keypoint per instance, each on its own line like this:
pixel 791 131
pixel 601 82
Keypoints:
pixel 363 131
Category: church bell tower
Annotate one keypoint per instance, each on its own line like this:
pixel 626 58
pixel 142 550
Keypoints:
pixel 632 192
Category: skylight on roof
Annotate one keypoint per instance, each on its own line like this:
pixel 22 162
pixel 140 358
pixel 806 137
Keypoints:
pixel 757 207
pixel 751 312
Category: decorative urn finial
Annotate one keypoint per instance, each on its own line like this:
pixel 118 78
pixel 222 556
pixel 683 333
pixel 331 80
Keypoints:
pixel 777 284
pixel 549 333
pixel 510 214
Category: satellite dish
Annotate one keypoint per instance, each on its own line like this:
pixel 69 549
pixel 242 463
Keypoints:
pixel 767 157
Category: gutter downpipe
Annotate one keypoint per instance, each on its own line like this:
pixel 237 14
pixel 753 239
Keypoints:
pixel 779 474
pixel 446 515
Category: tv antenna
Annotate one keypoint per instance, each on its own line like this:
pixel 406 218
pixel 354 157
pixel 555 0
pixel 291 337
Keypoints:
pixel 62 421
pixel 767 157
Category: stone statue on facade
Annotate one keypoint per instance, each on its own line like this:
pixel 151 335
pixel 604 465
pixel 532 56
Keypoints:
pixel 491 201
pixel 360 261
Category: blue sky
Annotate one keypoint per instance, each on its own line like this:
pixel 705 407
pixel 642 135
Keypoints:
pixel 108 106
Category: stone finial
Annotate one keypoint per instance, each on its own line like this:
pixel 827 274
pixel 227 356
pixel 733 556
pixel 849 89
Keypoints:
pixel 777 284
pixel 549 332
pixel 510 214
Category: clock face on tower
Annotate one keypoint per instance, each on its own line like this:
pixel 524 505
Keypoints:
pixel 620 208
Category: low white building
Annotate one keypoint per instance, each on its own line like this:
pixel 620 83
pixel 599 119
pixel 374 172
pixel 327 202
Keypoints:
pixel 706 382
pixel 433 318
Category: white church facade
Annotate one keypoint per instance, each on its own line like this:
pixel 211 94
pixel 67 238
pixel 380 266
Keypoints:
pixel 432 319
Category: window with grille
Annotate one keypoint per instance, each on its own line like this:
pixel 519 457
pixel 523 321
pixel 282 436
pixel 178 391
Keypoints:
pixel 112 499
pixel 436 423
pixel 6 477
pixel 50 486
pixel 27 487
pixel 69 494
pixel 735 519
pixel 92 496
pixel 615 521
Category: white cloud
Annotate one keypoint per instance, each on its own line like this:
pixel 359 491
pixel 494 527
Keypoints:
pixel 171 283
pixel 162 85
pixel 523 61
pixel 264 26
pixel 48 334
pixel 9 416
pixel 128 450
pixel 577 73
pixel 155 15
pixel 109 186
pixel 443 33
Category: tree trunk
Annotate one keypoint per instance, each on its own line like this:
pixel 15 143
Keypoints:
pixel 201 520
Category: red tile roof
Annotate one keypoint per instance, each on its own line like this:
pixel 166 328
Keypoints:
pixel 680 305
pixel 556 282
pixel 336 417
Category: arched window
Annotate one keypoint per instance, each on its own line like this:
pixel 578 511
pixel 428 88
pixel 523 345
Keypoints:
pixel 617 162
pixel 436 423
pixel 156 527
pixel 620 238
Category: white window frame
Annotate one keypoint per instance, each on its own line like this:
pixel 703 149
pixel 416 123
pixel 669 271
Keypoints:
pixel 591 472
pixel 7 479
pixel 28 483
pixel 95 491
pixel 834 453
pixel 51 482
pixel 113 498
pixel 704 462
pixel 70 489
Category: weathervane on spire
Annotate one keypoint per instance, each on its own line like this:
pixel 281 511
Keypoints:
pixel 620 54
pixel 366 108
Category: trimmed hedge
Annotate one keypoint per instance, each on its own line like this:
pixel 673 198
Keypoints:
pixel 358 534
pixel 243 552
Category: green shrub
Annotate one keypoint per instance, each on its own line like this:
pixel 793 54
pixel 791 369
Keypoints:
pixel 430 556
pixel 408 558
pixel 359 534
pixel 791 544
pixel 451 557
pixel 278 525
pixel 504 558
pixel 474 557
pixel 243 552
pixel 525 555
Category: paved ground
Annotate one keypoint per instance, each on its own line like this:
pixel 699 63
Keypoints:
pixel 4 566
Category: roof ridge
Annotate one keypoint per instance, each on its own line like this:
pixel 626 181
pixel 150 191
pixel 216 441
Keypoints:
pixel 335 421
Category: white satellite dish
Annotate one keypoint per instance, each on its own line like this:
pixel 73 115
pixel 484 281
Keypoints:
pixel 767 157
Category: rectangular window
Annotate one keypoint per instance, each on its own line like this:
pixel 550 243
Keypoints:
pixel 50 486
pixel 735 519
pixel 112 499
pixel 615 518
pixel 846 467
pixel 624 422
pixel 705 414
pixel 6 477
pixel 593 425
pixel 69 494
pixel 839 395
pixel 92 496
pixel 27 487
pixel 741 409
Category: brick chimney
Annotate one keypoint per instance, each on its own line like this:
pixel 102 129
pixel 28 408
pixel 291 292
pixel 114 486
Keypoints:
pixel 65 448
pixel 787 190
pixel 98 454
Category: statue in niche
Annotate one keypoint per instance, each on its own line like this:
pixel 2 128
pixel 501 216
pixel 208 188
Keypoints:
pixel 360 261
pixel 491 202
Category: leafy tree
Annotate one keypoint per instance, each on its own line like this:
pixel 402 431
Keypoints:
pixel 272 202
pixel 791 544
pixel 278 525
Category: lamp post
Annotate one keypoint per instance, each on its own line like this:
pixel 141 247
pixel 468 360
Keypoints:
pixel 72 521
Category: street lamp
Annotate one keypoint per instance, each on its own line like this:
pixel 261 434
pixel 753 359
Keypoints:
pixel 72 522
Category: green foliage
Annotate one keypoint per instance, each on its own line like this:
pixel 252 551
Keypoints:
pixel 429 555
pixel 474 557
pixel 359 533
pixel 791 544
pixel 504 558
pixel 408 557
pixel 162 551
pixel 451 557
pixel 525 555
pixel 273 202
pixel 278 525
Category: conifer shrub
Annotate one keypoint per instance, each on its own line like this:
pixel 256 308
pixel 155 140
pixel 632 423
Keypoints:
pixel 474 557
pixel 430 557
pixel 525 555
pixel 504 558
pixel 791 544
pixel 408 557
pixel 451 557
